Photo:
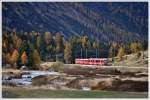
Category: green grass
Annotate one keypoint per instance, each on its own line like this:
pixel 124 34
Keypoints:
pixel 40 93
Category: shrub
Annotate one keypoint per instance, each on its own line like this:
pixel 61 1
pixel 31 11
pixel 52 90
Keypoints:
pixel 57 66
pixel 138 54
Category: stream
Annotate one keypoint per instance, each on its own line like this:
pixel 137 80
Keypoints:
pixel 26 79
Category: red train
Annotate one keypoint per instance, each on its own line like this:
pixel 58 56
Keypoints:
pixel 92 61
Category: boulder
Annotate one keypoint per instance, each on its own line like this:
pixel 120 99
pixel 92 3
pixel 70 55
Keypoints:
pixel 42 79
pixel 39 80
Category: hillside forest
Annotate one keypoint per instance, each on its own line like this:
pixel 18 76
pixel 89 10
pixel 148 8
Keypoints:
pixel 31 48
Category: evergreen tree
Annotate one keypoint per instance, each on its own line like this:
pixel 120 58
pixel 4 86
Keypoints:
pixel 23 48
pixel 29 52
pixel 110 53
pixel 42 49
pixel 74 45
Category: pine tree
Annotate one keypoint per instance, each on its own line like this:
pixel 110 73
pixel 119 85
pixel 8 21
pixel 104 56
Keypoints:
pixel 29 52
pixel 23 48
pixel 114 47
pixel 110 52
pixel 74 43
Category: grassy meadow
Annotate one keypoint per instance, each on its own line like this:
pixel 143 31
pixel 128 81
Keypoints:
pixel 45 93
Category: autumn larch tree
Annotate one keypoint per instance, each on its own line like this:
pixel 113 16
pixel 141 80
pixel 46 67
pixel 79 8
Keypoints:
pixel 38 41
pixel 95 45
pixel 85 44
pixel 36 57
pixel 49 45
pixel 14 57
pixel 14 38
pixel 67 52
pixel 18 45
pixel 47 37
pixel 58 42
pixel 134 47
pixel 24 58
pixel 120 53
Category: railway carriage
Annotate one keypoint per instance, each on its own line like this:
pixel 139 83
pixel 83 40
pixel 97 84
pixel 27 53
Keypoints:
pixel 92 61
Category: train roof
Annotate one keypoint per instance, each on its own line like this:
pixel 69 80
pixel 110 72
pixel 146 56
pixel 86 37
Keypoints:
pixel 91 58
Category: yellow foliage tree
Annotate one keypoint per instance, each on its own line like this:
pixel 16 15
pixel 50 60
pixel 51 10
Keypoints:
pixel 14 38
pixel 59 42
pixel 120 53
pixel 14 56
pixel 67 52
pixel 24 58
pixel 18 45
pixel 85 42
pixel 47 37
pixel 36 57
pixel 114 44
pixel 95 45
pixel 134 47
pixel 6 58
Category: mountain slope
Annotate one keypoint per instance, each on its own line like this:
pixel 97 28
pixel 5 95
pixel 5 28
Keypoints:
pixel 102 21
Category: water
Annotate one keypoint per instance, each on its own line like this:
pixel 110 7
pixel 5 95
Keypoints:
pixel 86 88
pixel 26 79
